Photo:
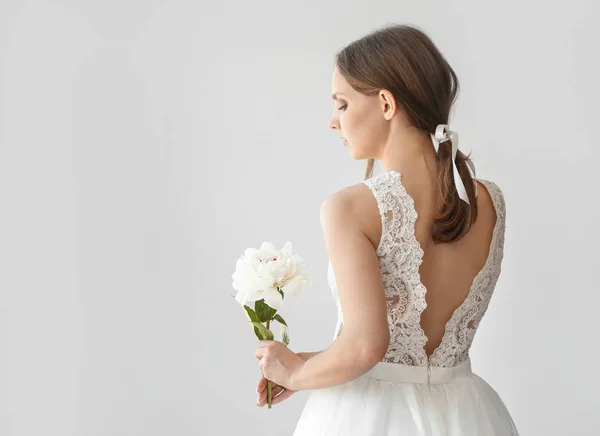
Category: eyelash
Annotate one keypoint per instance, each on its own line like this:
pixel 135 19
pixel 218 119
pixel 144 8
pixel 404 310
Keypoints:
pixel 344 106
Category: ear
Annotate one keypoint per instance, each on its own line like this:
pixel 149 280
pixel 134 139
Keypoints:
pixel 388 104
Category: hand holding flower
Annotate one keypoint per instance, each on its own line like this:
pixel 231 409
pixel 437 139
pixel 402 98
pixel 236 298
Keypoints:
pixel 278 363
pixel 265 276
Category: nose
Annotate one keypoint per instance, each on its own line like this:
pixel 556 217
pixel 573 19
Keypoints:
pixel 334 123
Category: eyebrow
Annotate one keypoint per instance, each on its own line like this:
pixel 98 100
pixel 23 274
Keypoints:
pixel 335 94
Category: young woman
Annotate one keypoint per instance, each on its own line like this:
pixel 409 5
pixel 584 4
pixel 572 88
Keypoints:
pixel 415 253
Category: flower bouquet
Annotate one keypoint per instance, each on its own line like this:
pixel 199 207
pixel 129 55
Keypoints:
pixel 265 276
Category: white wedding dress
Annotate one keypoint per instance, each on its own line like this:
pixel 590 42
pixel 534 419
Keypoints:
pixel 407 393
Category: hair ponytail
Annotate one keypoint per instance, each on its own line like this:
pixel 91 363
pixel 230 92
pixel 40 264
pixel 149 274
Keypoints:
pixel 404 60
pixel 454 216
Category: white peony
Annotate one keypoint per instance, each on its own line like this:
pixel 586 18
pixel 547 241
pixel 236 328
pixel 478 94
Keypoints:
pixel 264 272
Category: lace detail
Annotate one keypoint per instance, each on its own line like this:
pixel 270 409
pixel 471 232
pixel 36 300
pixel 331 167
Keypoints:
pixel 460 329
pixel 400 256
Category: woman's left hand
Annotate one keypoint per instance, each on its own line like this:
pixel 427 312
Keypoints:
pixel 278 363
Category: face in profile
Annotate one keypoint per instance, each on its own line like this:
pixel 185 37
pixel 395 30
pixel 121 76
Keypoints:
pixel 360 120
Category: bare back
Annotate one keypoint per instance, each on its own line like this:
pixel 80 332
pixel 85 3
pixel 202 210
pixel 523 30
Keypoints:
pixel 448 269
pixel 436 293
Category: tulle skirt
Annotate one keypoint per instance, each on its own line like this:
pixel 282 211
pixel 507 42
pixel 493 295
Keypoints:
pixel 393 399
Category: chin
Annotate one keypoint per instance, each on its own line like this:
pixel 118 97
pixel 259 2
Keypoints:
pixel 360 153
pixel 356 155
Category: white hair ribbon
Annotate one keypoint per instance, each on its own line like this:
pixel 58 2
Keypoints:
pixel 442 134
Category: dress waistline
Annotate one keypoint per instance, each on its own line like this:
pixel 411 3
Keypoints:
pixel 419 374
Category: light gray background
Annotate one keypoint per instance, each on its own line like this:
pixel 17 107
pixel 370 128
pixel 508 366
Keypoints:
pixel 146 144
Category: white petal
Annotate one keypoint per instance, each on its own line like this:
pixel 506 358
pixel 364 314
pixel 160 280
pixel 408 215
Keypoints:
pixel 273 298
pixel 296 286
pixel 268 246
pixel 241 298
pixel 240 286
pixel 298 260
pixel 264 282
pixel 248 253
pixel 254 295
pixel 287 249
pixel 247 279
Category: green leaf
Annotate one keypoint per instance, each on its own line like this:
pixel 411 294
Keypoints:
pixel 285 332
pixel 252 317
pixel 280 320
pixel 285 335
pixel 281 292
pixel 264 311
pixel 265 333
pixel 251 314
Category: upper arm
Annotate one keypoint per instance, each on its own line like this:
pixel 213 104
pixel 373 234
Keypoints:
pixel 356 268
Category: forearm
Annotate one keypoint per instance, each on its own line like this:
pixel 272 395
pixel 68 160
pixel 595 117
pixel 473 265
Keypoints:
pixel 344 360
pixel 308 354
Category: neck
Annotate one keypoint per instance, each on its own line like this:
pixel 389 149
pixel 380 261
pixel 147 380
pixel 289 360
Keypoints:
pixel 411 153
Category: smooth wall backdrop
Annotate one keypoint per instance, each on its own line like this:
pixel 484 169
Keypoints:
pixel 145 144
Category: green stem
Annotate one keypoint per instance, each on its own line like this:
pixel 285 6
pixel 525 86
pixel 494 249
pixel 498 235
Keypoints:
pixel 269 392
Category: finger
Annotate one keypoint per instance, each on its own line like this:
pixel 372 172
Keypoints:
pixel 262 352
pixel 275 390
pixel 282 397
pixel 264 343
pixel 262 400
pixel 262 384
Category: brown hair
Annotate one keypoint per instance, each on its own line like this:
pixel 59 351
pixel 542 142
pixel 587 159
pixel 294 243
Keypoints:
pixel 404 60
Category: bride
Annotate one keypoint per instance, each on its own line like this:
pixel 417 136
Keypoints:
pixel 415 253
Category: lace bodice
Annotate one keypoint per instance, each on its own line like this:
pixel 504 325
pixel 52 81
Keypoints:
pixel 400 256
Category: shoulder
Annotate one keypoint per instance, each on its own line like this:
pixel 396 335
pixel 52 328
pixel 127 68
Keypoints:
pixel 351 209
pixel 348 201
pixel 495 193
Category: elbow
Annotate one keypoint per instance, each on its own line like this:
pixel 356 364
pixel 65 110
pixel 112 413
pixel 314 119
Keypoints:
pixel 373 351
pixel 366 347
